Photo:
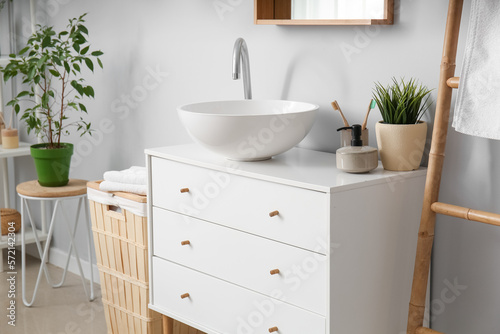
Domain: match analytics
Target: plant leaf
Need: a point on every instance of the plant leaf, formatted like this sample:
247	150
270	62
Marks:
47	41
89	91
31	73
42	60
45	100
77	86
54	73
90	64
23	50
83	29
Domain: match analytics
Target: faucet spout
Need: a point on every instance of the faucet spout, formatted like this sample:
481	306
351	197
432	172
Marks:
240	55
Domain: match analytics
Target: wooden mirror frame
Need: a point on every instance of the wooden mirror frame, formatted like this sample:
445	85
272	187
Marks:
279	12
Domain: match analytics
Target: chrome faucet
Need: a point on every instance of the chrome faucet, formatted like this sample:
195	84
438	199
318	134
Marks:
240	53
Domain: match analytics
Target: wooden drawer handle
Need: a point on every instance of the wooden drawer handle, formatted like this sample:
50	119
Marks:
184	190
275	272
274	213
186	295
185	242
273	329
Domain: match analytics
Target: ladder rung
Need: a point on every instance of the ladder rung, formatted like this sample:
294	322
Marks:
453	82
465	213
423	330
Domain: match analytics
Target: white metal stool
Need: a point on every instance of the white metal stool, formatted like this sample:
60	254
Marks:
74	190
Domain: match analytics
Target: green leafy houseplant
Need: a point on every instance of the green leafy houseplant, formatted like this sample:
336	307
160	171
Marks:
401	136
51	65
402	102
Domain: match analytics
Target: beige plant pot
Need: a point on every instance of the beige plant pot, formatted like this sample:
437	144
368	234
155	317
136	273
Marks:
401	146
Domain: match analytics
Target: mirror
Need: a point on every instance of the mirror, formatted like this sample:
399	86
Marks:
324	12
337	9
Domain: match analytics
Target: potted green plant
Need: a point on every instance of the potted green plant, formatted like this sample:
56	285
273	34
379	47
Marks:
401	135
51	65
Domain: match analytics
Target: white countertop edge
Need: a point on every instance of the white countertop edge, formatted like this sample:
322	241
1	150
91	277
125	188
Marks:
310	186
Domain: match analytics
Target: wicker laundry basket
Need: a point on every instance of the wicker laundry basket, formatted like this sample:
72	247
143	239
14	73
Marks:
120	240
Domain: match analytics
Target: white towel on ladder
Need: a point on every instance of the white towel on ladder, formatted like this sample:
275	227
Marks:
477	111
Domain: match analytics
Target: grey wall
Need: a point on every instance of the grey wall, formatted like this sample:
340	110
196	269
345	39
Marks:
188	46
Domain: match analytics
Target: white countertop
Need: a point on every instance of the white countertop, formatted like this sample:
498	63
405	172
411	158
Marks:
298	167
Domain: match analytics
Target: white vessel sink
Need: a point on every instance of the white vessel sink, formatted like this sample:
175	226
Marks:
248	130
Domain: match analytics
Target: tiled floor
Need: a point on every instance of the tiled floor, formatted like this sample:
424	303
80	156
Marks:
64	310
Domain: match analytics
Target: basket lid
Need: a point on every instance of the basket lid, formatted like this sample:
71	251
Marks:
129	196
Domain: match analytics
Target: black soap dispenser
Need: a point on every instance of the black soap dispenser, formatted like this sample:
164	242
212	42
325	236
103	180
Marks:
356	158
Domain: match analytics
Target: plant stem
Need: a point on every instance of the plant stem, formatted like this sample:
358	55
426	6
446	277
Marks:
63	84
49	116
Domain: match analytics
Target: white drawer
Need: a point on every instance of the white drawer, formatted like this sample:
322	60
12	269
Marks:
242	258
223	307
242	203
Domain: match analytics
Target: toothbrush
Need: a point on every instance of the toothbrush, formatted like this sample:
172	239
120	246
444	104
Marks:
336	106
370	107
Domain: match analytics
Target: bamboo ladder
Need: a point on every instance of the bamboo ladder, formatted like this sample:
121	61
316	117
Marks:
431	206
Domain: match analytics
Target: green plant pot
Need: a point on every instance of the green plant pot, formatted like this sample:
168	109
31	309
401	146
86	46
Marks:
52	165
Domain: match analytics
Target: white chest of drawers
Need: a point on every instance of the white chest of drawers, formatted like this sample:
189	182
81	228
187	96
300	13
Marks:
290	245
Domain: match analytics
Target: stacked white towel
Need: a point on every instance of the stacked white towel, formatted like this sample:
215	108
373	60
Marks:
133	175
132	180
478	102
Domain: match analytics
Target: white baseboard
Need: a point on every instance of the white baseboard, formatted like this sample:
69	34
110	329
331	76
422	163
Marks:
58	258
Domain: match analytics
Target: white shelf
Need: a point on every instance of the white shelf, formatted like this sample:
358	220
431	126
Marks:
29	236
23	150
